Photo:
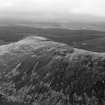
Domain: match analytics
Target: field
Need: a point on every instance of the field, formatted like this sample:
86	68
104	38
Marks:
87	39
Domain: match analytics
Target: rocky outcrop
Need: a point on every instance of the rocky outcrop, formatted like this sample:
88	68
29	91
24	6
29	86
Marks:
37	71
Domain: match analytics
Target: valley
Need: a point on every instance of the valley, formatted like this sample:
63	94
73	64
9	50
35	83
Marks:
91	40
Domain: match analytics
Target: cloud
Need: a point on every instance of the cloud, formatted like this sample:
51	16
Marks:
5	4
93	7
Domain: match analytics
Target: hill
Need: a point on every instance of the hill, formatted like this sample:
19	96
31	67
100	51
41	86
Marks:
38	71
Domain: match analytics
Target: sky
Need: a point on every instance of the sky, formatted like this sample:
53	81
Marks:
87	7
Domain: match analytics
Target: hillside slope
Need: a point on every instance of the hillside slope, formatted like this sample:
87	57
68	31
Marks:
37	71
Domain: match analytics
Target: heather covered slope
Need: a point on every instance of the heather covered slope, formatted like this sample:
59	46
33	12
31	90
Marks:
37	71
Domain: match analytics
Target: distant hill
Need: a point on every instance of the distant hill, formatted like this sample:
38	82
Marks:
38	71
76	38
